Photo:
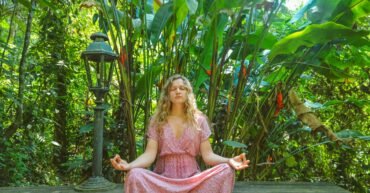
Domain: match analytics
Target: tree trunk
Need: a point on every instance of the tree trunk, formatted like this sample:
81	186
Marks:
55	39
18	122
60	132
11	31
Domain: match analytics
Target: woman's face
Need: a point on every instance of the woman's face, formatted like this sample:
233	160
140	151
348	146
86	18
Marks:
178	92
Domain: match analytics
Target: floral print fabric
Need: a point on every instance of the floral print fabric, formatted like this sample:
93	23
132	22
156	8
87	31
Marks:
176	169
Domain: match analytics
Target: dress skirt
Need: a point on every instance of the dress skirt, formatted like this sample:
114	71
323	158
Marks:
176	169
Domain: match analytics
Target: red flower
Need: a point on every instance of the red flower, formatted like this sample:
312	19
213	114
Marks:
269	159
244	71
123	57
209	72
279	103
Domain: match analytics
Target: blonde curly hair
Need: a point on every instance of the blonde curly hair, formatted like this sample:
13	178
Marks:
164	105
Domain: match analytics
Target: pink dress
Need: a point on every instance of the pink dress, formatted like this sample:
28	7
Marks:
176	169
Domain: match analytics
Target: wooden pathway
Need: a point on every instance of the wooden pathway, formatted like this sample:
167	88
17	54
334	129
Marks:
240	187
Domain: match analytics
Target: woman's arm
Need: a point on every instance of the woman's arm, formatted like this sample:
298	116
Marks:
143	161
148	157
210	158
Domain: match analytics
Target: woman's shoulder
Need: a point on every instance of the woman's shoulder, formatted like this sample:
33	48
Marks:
203	125
200	117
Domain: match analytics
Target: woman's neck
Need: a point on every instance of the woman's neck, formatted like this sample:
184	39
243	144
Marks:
177	110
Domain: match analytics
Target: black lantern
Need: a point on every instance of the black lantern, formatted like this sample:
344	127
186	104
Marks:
99	60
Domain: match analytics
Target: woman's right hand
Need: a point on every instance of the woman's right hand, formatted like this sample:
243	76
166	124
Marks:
119	164
239	162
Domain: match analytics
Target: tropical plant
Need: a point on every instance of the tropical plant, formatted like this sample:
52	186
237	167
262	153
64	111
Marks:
243	58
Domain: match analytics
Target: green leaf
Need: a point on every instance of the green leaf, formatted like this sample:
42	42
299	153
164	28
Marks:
121	17
332	102
25	3
181	10
95	18
86	128
272	145
234	144
164	13
300	13
192	6
207	5
323	10
289	160
268	41
332	58
278	75
305	129
149	20
332	72
202	77
225	4
349	14
349	134
317	34
343	61
213	36
47	4
152	72
346	147
366	138
75	163
359	102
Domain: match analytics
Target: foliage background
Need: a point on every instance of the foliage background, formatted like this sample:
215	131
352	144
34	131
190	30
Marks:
243	58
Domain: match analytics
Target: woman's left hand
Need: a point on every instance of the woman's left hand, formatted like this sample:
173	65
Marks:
239	162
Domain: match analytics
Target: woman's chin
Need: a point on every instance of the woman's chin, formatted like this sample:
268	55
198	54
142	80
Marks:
178	101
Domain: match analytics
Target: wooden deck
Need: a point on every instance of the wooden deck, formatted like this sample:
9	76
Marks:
287	187
240	187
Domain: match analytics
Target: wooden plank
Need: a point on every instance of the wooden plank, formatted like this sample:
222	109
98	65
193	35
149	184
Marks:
240	187
287	187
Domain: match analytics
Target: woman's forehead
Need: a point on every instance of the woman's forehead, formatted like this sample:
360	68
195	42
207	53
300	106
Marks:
178	82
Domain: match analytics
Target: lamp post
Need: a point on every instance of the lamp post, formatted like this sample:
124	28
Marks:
99	60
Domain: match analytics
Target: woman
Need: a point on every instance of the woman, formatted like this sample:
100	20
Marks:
177	133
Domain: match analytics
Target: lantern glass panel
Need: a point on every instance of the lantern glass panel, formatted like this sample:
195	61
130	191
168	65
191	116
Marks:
99	74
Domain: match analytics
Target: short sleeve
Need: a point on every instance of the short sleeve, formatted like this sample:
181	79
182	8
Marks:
205	129
152	132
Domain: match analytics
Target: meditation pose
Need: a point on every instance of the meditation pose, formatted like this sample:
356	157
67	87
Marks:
178	132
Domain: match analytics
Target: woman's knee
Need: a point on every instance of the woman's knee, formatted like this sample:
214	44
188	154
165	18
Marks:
135	174
228	169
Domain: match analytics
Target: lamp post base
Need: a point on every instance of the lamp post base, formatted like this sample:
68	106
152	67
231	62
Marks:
95	184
